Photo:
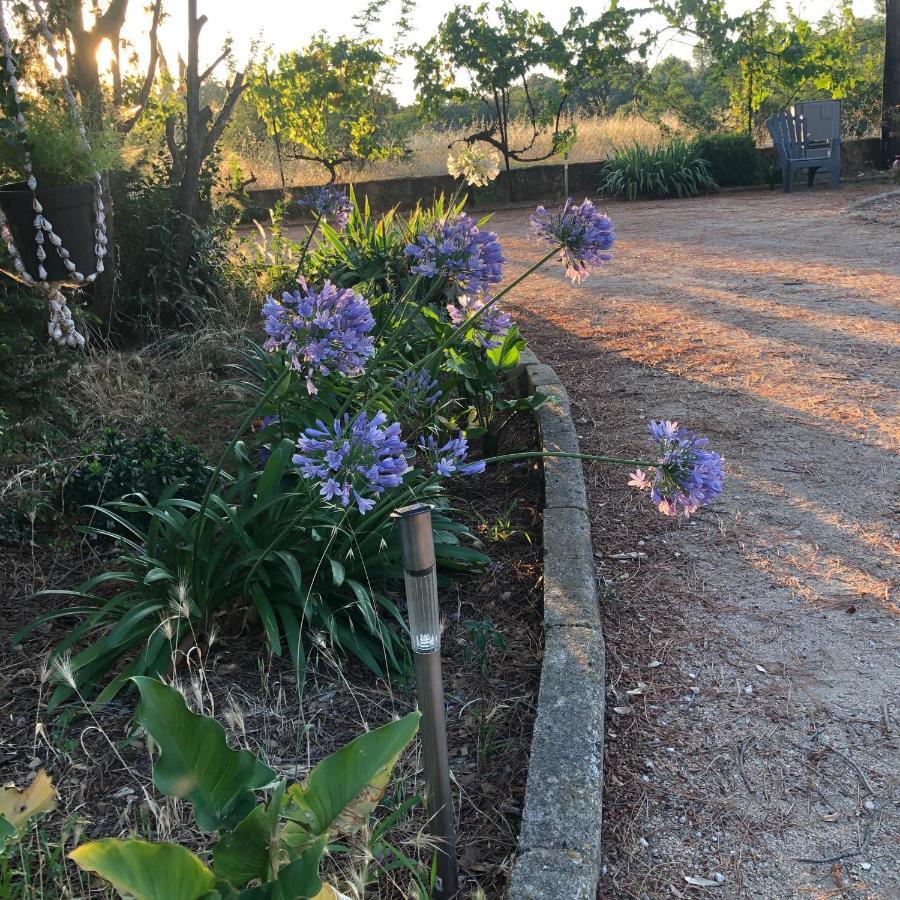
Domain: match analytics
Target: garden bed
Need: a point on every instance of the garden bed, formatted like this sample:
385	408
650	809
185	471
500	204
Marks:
104	776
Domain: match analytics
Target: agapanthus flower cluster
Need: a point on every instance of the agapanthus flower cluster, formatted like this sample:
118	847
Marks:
329	202
265	452
584	233
491	325
321	331
478	165
450	458
353	461
688	475
418	388
457	249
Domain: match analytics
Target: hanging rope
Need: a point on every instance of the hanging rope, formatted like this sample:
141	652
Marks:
61	326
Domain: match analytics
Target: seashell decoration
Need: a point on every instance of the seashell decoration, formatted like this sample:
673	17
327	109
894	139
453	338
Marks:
61	327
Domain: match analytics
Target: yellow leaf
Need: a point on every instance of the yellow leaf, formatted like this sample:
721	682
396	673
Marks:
18	806
356	813
329	893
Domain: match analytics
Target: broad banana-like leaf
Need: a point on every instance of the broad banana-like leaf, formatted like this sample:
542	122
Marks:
298	880
242	855
17	805
195	762
146	871
343	789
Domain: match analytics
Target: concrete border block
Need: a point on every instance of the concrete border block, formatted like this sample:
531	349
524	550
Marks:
548	875
559	844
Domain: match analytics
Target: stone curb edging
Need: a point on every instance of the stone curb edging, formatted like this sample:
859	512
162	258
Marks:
559	843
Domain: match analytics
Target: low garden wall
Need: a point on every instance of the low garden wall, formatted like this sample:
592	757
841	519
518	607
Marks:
559	842
530	184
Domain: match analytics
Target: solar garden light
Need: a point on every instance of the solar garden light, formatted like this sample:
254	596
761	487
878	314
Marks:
417	552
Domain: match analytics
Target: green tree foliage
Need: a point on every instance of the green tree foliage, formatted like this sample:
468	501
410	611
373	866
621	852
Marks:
325	103
488	54
764	64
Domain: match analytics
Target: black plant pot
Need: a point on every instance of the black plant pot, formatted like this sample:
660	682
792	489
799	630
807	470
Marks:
69	209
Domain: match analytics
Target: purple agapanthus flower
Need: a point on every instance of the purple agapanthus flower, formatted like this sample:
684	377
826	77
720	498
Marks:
321	331
418	388
491	325
583	233
450	458
265	452
457	249
688	475
354	461
329	202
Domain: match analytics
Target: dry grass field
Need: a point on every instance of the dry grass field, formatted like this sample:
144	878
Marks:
597	137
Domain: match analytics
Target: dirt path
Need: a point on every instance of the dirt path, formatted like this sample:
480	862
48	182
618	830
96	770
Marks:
758	646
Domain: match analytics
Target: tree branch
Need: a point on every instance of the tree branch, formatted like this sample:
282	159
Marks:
209	69
150	76
218	126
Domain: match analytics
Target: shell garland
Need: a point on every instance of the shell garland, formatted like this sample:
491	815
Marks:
61	326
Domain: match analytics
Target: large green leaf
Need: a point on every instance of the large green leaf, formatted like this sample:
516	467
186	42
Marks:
195	763
344	788
146	871
242	855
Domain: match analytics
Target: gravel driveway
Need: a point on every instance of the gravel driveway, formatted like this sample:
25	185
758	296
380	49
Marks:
753	652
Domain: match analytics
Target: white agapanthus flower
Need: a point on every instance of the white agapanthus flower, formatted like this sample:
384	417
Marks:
479	166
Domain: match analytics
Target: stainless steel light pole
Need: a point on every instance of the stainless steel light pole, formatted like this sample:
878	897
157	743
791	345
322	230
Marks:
417	550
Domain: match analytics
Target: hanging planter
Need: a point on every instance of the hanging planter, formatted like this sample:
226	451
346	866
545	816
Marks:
51	230
70	211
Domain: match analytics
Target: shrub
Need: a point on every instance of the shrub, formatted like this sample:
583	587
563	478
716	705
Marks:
145	465
732	158
671	169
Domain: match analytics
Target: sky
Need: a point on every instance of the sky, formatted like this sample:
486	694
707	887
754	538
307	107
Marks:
288	24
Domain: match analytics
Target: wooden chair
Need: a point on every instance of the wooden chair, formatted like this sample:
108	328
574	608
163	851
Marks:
795	151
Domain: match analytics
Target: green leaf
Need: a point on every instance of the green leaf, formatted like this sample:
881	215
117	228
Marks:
344	788
300	877
195	762
146	871
7	833
242	855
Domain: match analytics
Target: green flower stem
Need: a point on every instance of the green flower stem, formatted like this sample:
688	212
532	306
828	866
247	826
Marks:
585	457
305	250
472	320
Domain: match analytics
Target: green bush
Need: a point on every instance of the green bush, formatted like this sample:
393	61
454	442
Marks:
145	465
673	169
732	158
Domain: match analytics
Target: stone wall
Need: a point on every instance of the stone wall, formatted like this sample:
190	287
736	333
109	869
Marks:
529	185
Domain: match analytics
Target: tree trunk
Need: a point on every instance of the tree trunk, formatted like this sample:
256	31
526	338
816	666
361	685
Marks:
201	134
107	26
188	194
890	97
